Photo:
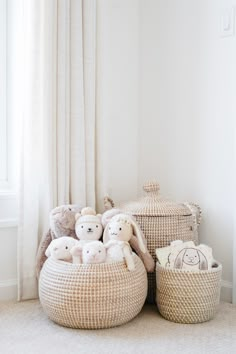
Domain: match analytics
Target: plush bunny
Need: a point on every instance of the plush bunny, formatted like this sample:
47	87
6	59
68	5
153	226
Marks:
185	255
191	259
88	225
116	237
134	241
60	248
62	223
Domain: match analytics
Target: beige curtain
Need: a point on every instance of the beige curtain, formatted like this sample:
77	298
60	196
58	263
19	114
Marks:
57	155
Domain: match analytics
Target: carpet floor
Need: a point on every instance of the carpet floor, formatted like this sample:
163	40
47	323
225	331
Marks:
25	329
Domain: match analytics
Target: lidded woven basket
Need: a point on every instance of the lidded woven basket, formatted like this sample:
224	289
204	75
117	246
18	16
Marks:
163	221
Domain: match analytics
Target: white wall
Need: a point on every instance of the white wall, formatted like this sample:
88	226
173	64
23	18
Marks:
188	111
117	98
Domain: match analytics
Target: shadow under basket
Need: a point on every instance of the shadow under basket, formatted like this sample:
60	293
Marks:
188	297
92	296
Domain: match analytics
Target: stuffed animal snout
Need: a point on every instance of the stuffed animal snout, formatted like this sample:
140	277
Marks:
94	252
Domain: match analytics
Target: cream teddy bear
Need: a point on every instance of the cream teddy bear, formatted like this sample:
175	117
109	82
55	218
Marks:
88	226
116	237
60	248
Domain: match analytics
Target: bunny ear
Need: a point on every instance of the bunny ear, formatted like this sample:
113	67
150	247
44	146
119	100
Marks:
178	264
139	234
107	215
48	251
106	234
203	261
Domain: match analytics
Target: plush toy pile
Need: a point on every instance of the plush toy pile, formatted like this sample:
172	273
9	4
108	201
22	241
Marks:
80	235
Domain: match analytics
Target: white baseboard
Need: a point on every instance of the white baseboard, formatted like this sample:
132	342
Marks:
226	291
7	223
8	290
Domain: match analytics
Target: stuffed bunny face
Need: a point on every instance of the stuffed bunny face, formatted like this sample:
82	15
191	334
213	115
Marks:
94	252
122	227
191	256
120	231
60	248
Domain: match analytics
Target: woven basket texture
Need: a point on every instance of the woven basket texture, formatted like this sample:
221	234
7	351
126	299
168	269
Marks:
163	221
188	297
92	296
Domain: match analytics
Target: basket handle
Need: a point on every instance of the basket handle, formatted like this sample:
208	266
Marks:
108	203
196	212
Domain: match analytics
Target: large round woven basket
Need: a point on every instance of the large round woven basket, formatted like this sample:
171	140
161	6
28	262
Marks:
92	296
188	297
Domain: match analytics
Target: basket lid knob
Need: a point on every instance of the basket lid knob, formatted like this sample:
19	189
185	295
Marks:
151	186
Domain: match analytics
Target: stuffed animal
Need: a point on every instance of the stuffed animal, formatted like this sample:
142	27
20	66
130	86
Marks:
185	255
134	241
89	253
62	223
88	225
119	232
60	248
94	252
191	259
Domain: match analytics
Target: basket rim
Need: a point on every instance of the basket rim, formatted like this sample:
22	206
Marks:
216	269
95	266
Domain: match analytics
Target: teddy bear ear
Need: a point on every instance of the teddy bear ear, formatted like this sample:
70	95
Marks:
77	215
106	237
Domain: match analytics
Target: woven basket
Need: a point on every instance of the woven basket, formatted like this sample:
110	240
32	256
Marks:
92	296
188	297
163	221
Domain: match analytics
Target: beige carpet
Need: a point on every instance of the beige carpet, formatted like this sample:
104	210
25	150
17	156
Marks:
25	329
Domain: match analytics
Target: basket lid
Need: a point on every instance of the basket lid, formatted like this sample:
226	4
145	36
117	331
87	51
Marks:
153	204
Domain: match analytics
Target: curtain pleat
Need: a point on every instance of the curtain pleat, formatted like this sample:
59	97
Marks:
58	126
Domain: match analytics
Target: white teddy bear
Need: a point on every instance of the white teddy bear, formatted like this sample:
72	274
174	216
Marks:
88	225
60	248
116	237
89	252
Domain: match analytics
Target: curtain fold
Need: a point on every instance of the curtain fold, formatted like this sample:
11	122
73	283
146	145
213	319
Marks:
57	154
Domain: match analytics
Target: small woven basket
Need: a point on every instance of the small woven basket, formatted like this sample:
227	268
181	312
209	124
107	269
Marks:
188	297
92	296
